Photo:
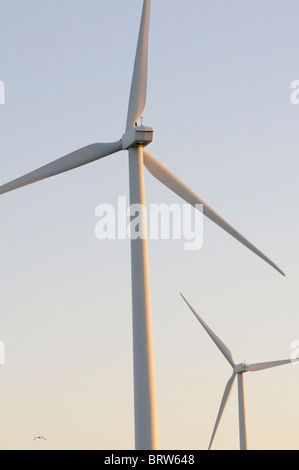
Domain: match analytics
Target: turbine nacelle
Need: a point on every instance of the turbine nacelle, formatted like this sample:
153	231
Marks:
240	368
140	136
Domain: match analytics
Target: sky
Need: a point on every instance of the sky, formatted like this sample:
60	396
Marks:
219	91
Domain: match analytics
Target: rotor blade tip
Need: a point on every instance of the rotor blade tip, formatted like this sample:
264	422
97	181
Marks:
281	272
184	298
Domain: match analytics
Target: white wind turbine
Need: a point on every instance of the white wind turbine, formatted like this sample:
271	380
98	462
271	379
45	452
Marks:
134	140
238	370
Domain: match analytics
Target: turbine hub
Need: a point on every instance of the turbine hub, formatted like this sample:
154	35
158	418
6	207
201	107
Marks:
139	136
239	368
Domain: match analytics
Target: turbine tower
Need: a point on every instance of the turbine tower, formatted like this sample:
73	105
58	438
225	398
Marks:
134	140
238	371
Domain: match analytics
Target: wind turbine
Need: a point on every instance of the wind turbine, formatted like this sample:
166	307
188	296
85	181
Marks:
135	139
238	370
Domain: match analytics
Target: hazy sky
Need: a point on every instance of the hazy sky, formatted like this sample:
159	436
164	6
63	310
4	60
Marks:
219	100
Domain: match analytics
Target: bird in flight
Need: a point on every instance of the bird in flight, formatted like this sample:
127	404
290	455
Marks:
39	437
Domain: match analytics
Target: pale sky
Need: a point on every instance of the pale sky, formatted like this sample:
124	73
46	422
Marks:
219	101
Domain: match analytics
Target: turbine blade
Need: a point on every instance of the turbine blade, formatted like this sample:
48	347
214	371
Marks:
268	365
170	180
225	351
68	162
139	81
224	401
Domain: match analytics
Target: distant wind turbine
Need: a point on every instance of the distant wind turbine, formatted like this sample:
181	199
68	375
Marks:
135	139
238	370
